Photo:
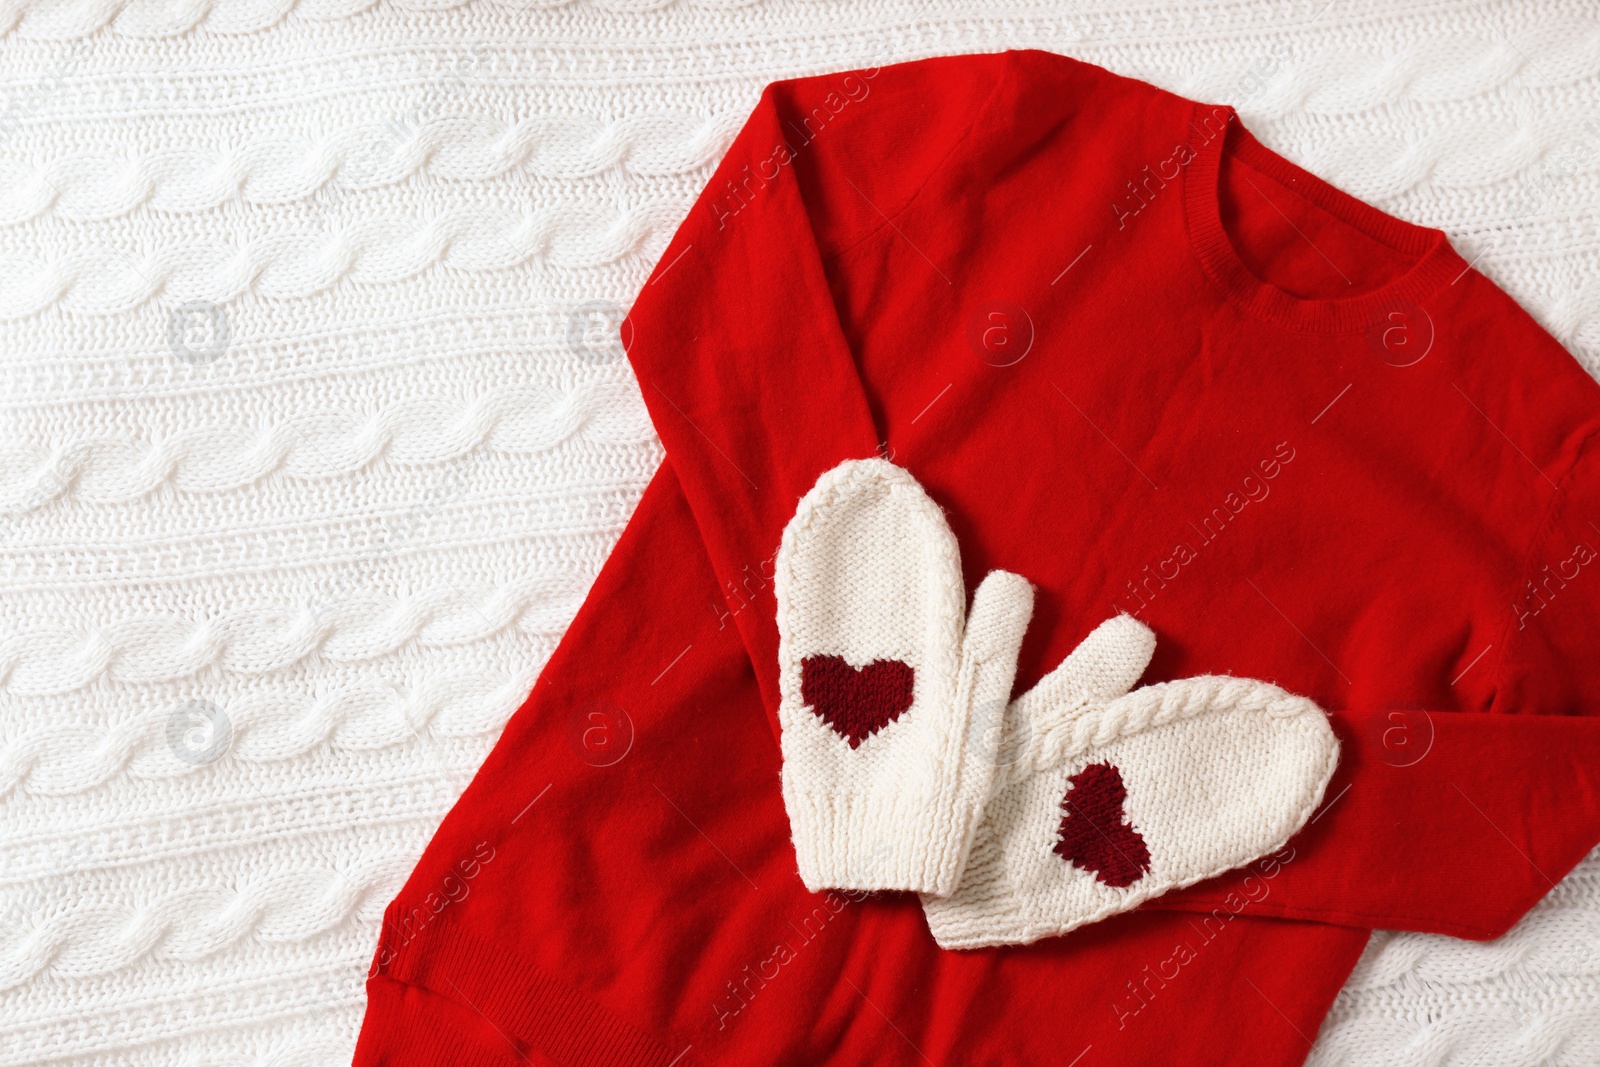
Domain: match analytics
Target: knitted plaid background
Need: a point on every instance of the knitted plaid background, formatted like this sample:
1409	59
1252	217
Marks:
316	430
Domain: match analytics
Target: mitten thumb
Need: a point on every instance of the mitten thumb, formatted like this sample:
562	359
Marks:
1001	609
999	617
1103	667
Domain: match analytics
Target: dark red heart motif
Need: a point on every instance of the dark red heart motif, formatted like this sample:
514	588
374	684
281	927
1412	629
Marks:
856	701
1094	836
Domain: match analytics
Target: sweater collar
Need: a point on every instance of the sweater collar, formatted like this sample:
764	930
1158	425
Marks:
1434	262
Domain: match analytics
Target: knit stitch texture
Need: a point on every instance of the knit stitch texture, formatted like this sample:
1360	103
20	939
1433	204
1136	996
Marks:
1095	834
1105	800
346	502
888	690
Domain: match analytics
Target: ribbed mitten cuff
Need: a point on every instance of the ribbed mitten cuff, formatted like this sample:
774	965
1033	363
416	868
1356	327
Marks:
908	842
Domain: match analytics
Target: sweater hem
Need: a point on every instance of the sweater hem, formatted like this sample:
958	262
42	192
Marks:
528	1008
397	1033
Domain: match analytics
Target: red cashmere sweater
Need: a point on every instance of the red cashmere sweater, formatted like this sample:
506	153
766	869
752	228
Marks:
1150	366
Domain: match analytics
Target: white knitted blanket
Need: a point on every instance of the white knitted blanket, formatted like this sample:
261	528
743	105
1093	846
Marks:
316	431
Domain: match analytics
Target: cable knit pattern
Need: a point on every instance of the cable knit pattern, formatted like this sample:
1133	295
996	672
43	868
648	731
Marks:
1113	797
108	470
458	147
1072	732
1525	1000
404	232
268	726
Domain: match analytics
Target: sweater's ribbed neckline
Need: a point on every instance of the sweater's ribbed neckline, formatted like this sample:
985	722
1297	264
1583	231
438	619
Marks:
1435	264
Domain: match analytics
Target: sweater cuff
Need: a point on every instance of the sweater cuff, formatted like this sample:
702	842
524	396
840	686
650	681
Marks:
406	1026
874	842
449	997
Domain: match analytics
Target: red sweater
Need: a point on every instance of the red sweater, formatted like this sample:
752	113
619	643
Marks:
1152	367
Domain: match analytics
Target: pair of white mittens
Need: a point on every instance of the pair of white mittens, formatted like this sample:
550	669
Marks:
904	767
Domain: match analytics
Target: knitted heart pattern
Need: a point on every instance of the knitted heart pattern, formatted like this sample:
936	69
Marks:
1110	800
856	702
1094	836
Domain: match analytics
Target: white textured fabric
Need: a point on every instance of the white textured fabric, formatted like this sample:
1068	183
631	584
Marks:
872	614
1216	771
357	531
1524	1000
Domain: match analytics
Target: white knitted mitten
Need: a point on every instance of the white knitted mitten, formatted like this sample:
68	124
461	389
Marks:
892	702
1104	800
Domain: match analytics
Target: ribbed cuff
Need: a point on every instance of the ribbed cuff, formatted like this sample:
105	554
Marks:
873	842
980	924
410	1027
537	1018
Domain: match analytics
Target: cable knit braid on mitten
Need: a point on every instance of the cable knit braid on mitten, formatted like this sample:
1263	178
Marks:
1107	798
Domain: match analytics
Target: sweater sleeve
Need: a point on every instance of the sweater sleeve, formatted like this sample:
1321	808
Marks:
735	338
1457	822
